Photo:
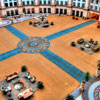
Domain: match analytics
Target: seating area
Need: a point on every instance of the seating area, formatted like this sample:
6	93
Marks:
41	24
25	94
89	46
20	86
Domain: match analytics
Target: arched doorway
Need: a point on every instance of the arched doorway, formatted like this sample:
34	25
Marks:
44	10
81	15
12	13
77	13
28	10
16	12
61	11
73	12
57	11
32	10
40	10
8	13
65	11
49	10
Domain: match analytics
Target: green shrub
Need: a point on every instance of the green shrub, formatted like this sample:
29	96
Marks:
87	76
40	85
69	97
91	41
51	23
30	23
10	99
24	68
96	43
73	44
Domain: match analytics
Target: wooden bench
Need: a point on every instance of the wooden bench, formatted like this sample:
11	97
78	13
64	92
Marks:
25	94
11	76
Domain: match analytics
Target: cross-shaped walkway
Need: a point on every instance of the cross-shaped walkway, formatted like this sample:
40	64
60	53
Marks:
60	62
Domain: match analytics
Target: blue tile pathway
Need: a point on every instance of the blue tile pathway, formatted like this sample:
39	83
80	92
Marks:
16	32
66	31
9	54
64	65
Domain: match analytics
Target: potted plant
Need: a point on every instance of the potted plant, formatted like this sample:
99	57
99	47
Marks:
51	23
24	68
87	76
40	85
69	97
73	44
30	23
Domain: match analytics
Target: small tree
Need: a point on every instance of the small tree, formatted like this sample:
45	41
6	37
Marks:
30	23
24	68
10	99
98	65
91	41
40	85
96	43
73	44
69	97
87	76
42	18
98	61
52	23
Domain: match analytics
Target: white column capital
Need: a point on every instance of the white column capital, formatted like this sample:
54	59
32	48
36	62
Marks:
87	4
19	2
70	3
36	2
2	4
53	2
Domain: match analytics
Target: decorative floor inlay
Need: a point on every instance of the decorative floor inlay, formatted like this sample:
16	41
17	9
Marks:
33	44
96	93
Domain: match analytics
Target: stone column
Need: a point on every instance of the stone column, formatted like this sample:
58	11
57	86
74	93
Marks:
82	86
69	9
53	7
87	3
36	4
20	9
86	9
2	4
19	3
97	73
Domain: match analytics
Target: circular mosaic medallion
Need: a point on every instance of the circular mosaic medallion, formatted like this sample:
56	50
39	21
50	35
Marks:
87	45
33	44
18	86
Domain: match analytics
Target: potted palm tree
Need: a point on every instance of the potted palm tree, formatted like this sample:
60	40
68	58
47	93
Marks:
10	99
42	18
87	76
69	97
30	23
24	68
40	85
73	44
